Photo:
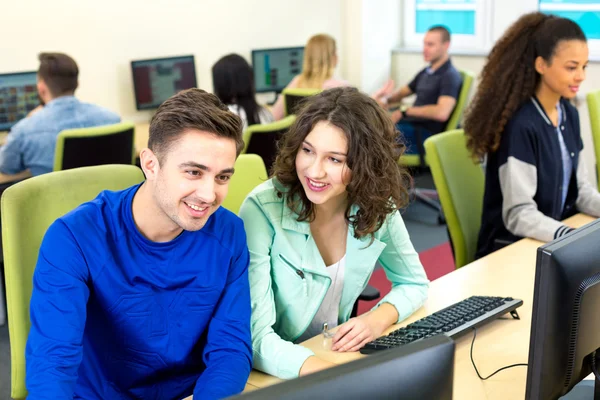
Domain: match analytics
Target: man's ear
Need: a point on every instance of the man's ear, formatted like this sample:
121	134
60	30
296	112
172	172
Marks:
149	163
43	90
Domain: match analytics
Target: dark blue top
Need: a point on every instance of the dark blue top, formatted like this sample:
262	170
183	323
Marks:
117	316
429	86
530	138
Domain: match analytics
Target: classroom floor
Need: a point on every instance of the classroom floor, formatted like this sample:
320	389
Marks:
421	223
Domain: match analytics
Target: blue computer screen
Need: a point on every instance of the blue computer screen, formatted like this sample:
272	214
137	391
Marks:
275	68
18	96
585	12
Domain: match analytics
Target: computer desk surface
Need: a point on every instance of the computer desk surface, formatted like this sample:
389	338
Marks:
509	272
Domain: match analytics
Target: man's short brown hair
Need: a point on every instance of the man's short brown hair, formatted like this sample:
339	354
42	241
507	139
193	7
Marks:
192	109
443	31
59	72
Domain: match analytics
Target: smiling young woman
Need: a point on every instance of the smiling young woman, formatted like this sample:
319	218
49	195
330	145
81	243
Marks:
318	227
522	123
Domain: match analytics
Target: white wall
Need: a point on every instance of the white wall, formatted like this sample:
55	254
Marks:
103	37
371	29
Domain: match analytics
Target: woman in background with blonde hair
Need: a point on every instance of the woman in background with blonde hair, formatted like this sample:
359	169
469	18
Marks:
320	61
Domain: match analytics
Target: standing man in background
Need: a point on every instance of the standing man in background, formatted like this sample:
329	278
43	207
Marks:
30	145
437	88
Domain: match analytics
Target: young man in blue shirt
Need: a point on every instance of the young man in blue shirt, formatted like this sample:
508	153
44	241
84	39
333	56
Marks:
144	293
437	88
31	142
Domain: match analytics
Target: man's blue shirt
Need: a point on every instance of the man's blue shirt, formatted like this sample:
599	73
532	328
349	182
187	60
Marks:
117	316
31	142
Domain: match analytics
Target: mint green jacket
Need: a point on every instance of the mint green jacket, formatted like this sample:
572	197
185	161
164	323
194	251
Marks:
288	279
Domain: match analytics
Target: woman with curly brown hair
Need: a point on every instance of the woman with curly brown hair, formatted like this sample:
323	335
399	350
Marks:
522	124
318	227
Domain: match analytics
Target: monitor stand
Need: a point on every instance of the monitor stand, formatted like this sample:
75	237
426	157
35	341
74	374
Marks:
588	389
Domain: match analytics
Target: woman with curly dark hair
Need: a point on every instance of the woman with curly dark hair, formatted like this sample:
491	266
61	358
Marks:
523	126
317	229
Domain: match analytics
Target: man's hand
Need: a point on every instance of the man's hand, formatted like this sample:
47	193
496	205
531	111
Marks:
381	95
38	108
396	116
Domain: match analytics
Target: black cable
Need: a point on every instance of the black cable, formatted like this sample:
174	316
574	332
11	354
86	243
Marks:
494	373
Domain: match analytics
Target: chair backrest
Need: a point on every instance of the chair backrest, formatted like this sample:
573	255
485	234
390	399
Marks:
460	186
593	102
107	144
461	101
294	97
250	172
28	208
262	139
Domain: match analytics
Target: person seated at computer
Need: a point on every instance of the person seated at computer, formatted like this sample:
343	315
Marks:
318	68
436	87
143	293
523	127
31	142
233	83
316	230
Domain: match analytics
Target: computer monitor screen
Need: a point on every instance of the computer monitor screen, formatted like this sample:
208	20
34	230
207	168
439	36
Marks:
156	80
274	69
18	96
420	370
565	324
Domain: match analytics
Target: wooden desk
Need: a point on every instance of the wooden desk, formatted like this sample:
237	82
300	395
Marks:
507	272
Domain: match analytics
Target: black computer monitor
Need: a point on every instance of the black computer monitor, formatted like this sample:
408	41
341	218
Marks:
18	96
274	69
156	80
420	370
565	324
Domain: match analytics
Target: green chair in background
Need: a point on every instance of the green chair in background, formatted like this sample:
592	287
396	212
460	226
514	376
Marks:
28	208
250	172
421	161
262	139
460	185
593	101
293	98
84	147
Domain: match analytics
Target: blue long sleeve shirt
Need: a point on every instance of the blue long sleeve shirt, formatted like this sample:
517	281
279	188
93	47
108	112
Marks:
117	316
32	141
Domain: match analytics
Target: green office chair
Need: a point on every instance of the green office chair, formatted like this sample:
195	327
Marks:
262	139
460	185
593	101
250	172
293	98
28	208
84	147
420	161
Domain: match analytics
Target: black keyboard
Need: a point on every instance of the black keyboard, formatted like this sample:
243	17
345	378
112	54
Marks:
452	321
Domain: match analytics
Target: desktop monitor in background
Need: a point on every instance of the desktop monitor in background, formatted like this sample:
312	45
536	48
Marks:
420	370
18	96
156	80
274	69
565	324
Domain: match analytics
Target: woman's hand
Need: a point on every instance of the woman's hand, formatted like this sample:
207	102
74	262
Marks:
354	334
